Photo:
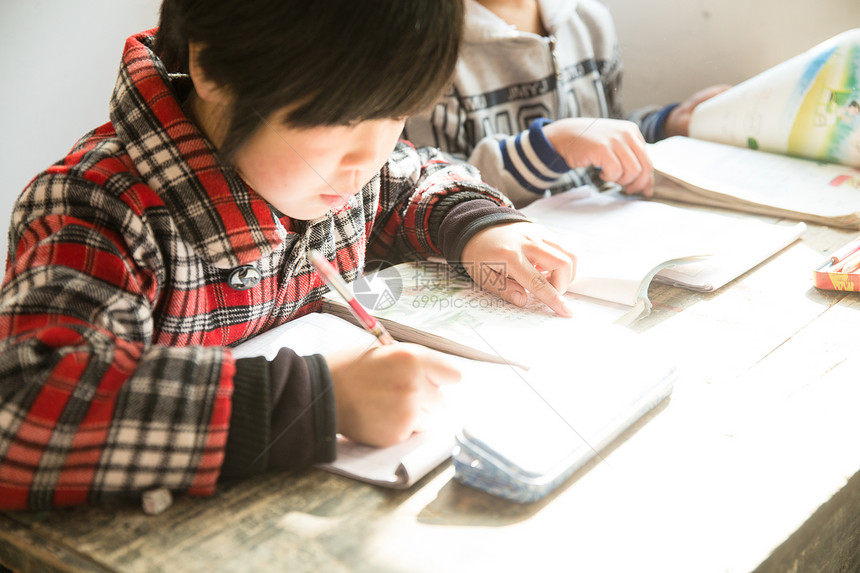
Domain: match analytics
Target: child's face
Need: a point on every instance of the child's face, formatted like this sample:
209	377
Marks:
306	172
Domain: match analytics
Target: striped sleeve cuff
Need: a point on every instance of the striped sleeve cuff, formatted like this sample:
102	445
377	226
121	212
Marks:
653	124
531	159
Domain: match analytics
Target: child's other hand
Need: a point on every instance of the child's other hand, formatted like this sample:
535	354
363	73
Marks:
385	393
678	121
616	146
512	258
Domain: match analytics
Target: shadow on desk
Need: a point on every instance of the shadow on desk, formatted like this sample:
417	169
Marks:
457	504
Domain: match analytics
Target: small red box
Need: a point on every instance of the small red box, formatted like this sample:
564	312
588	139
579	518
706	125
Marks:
829	276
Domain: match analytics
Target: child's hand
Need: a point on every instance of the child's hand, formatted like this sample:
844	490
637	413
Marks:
678	121
510	259
385	393
616	146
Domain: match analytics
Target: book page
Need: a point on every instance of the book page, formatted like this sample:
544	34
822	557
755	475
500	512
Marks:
787	183
808	106
562	411
439	306
747	243
620	242
401	465
614	234
398	466
310	334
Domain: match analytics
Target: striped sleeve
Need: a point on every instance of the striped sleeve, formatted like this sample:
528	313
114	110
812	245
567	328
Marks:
652	121
531	159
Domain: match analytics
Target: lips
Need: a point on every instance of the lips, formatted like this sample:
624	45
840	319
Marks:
334	201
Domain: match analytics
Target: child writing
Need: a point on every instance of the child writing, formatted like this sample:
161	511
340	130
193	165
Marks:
525	63
242	135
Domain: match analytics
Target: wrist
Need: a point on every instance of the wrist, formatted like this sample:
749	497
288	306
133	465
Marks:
668	124
532	159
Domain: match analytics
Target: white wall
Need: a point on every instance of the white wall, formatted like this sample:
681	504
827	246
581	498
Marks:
58	65
672	48
58	61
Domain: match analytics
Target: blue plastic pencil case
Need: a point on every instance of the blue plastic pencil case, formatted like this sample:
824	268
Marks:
531	437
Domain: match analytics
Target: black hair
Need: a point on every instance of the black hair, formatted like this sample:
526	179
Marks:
333	62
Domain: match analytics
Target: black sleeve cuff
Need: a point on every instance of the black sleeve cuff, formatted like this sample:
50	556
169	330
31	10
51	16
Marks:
463	221
325	414
303	421
248	436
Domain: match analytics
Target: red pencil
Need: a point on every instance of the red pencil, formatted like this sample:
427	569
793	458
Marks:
847	263
337	284
842	253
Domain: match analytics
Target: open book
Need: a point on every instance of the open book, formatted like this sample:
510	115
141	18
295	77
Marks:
398	466
621	244
579	391
785	142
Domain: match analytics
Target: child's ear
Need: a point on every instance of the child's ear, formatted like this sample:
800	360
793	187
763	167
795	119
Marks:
207	89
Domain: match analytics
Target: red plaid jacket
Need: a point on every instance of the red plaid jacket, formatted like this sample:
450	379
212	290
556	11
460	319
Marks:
116	312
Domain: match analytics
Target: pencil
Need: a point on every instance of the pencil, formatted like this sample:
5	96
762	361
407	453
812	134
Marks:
337	284
842	253
847	264
850	264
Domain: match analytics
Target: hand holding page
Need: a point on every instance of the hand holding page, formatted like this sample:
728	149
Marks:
808	106
747	145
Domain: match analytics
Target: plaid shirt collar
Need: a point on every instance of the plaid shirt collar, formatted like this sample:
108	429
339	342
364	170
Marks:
224	220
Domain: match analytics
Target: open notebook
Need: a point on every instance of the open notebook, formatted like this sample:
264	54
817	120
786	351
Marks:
623	242
621	245
580	392
719	175
398	466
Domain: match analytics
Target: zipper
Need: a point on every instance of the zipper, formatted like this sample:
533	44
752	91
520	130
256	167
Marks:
556	70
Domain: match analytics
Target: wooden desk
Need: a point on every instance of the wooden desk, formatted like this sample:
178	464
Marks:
751	466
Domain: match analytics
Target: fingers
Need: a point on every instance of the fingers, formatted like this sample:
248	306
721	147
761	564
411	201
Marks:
706	94
383	393
624	160
513	259
558	265
543	269
505	288
643	181
414	366
542	289
425	401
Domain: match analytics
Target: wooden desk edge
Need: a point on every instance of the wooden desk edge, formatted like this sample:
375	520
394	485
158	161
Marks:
828	541
50	557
